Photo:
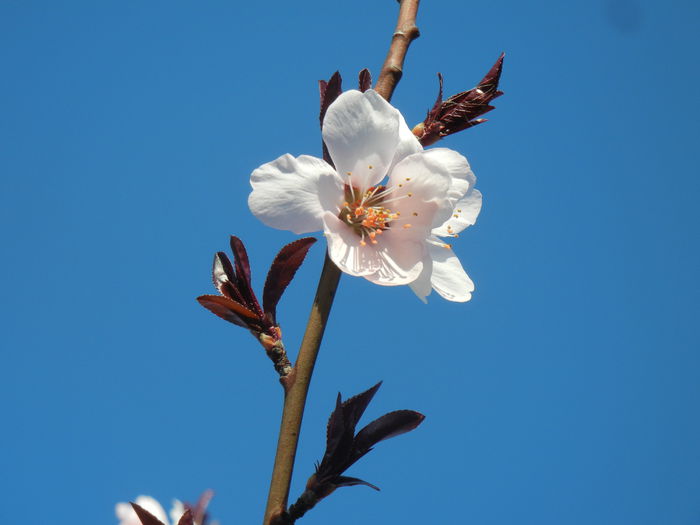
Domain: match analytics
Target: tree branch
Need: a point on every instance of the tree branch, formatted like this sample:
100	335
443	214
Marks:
296	385
406	32
296	389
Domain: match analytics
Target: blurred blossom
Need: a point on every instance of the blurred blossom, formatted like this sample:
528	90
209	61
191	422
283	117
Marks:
127	515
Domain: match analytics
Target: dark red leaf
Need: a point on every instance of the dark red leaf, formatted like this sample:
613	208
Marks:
340	433
146	517
365	80
339	438
229	310
354	407
186	518
199	511
435	112
460	111
329	91
225	278
489	84
281	273
240	260
389	425
346	481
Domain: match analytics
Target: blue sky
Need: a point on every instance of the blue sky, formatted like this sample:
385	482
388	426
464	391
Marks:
565	392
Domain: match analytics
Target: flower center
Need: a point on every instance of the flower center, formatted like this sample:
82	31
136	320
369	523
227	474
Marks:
365	213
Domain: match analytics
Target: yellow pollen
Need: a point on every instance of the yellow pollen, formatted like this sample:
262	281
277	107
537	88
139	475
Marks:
410	194
363	243
348	173
408	178
459	211
456	216
359	211
400	185
346	204
370	167
406	226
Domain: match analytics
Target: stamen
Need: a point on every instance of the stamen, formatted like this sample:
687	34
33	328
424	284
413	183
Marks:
366	212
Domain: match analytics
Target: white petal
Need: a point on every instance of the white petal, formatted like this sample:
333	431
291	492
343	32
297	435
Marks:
408	143
417	181
177	510
293	193
361	133
465	213
463	178
345	250
449	278
126	515
401	260
421	286
396	259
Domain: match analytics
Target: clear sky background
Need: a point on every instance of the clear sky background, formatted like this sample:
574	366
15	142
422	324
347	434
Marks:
566	392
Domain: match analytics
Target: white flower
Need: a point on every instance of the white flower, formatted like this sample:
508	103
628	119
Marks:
387	232
127	516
